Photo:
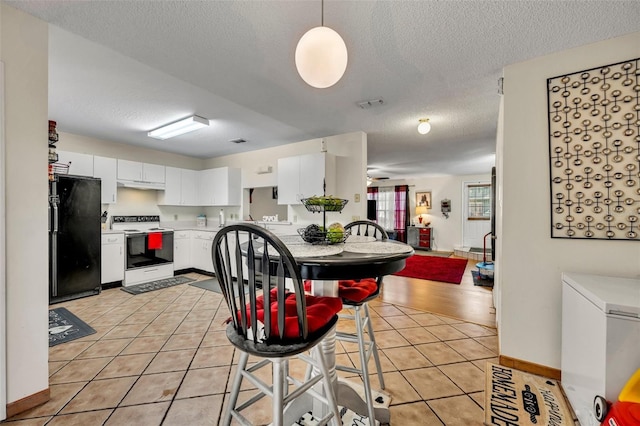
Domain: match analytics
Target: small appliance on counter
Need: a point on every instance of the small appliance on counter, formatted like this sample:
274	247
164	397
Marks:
201	221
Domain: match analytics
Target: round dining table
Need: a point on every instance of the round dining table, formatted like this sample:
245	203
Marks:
358	257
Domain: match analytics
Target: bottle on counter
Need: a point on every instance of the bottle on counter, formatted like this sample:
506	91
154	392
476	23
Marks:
222	221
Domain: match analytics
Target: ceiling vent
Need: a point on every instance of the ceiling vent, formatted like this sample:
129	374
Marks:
370	103
240	140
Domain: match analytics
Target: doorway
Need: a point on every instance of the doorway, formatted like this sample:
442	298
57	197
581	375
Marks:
263	201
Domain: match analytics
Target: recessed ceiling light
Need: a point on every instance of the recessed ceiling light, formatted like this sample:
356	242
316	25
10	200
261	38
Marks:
179	127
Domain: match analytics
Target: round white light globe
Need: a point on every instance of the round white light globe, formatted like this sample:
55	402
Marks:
321	57
424	128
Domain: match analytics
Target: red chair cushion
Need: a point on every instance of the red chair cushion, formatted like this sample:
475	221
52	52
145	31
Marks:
352	290
320	310
357	291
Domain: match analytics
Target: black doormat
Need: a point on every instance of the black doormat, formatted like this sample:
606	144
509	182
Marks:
156	285
213	285
64	327
484	282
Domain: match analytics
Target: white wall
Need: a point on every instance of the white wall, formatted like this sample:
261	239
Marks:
531	262
87	145
447	233
24	51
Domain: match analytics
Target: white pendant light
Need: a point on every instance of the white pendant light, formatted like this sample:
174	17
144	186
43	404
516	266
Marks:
321	56
424	127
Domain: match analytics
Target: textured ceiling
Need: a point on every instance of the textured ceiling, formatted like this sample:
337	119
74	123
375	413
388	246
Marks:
121	68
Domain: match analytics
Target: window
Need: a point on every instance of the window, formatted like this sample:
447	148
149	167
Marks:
479	202
386	207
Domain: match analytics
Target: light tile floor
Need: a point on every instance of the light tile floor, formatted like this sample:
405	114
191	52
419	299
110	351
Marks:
162	358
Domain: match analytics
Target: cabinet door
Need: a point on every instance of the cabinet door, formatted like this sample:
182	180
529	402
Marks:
182	250
79	164
112	258
312	173
189	187
106	170
201	243
207	191
129	170
153	173
227	190
289	180
172	187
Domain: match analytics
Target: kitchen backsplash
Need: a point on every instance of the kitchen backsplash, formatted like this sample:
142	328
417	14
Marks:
144	202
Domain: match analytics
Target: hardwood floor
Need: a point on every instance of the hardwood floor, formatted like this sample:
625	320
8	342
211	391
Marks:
464	301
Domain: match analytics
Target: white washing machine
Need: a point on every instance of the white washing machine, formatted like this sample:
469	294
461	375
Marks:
600	339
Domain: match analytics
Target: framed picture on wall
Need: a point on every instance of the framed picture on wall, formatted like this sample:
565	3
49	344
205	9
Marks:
423	199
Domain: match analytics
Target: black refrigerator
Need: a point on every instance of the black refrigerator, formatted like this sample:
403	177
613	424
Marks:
74	237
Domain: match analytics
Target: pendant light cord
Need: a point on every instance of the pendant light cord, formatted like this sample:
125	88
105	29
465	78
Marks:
322	13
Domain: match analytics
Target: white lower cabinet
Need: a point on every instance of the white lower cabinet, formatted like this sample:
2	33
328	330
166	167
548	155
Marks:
181	250
112	268
201	243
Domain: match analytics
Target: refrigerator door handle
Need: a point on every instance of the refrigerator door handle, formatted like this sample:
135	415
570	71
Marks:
54	264
55	217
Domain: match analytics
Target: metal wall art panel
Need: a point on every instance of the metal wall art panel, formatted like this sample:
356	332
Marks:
594	153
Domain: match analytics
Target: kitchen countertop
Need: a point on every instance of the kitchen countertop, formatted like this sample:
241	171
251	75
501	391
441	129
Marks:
112	231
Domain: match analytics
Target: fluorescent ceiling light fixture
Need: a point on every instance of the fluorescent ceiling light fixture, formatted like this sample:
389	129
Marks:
177	128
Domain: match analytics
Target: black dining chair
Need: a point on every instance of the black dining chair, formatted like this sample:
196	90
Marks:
355	294
274	322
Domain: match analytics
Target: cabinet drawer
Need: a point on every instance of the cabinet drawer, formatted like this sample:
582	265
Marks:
181	235
200	235
425	232
112	239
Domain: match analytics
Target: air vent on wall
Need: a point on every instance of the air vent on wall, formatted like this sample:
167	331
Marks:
240	140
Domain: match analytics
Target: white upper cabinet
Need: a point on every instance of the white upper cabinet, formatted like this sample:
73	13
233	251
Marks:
105	169
220	187
136	171
153	173
304	176
189	187
79	164
180	187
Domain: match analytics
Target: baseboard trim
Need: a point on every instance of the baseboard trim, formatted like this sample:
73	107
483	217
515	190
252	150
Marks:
530	367
28	402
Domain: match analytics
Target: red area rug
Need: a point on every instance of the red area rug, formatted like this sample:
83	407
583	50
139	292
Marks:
444	269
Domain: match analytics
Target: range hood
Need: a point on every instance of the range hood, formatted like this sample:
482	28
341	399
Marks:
140	184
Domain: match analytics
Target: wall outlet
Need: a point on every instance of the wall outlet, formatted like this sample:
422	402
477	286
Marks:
357	198
355	217
295	218
175	217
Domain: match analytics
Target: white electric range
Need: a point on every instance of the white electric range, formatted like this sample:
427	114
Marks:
148	248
